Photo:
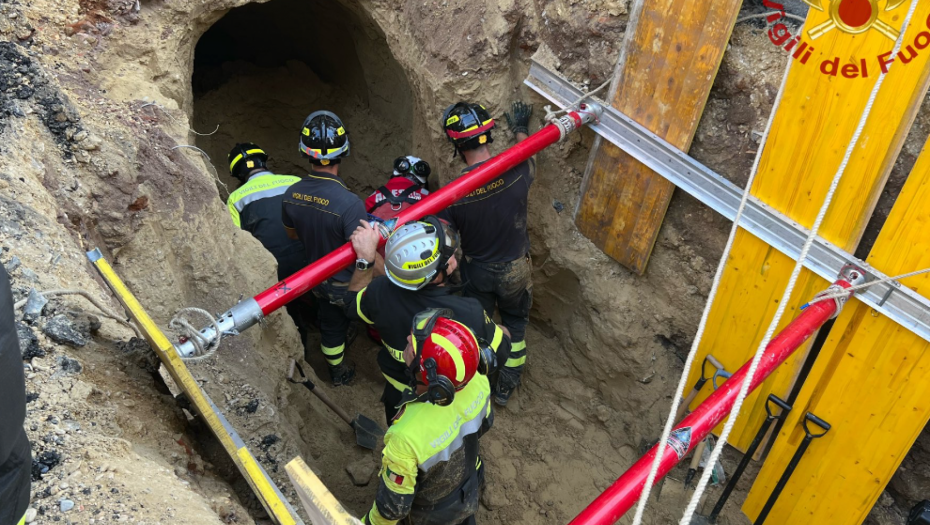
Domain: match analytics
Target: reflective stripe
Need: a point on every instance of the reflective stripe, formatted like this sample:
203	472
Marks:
396	384
234	213
517	346
517	355
22	520
334	355
239	157
514	362
471	426
453	352
358	306
498	337
398	355
261	187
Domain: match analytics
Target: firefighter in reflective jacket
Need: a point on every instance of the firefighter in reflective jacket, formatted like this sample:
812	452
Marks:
420	259
430	469
256	208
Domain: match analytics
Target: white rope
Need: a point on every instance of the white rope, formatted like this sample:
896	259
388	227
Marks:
550	114
782	305
858	287
679	392
203	348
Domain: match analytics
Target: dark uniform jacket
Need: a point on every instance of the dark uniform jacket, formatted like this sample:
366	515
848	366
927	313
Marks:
391	309
256	208
492	219
324	213
15	451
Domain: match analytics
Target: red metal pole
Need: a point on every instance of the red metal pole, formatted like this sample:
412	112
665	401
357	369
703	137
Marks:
311	276
624	493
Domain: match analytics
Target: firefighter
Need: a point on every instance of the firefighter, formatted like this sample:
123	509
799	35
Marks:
420	257
406	187
430	469
256	208
15	450
492	221
322	212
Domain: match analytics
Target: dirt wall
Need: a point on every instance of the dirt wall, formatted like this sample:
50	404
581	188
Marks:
90	160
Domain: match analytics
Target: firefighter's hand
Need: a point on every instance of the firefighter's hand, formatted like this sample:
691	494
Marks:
519	121
365	241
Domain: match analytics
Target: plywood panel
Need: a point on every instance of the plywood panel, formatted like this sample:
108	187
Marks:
814	124
871	382
668	68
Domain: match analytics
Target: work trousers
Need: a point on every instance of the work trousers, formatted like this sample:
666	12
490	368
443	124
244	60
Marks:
458	508
507	286
333	321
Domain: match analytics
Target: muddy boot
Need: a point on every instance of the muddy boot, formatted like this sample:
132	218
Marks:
342	374
507	382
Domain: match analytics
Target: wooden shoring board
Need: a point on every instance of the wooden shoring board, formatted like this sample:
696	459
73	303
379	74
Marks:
322	507
262	486
871	382
666	71
814	124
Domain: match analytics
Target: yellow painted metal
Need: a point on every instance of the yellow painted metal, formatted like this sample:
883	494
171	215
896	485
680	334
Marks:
322	507
871	382
814	124
274	503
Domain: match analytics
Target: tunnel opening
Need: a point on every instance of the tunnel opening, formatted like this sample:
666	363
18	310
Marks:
262	68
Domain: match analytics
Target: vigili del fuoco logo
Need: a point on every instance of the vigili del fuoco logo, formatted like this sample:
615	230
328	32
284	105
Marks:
852	17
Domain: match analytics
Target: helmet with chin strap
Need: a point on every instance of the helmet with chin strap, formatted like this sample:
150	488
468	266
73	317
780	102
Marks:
447	356
419	250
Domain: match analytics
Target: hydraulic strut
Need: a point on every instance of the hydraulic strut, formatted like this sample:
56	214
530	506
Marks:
251	311
624	493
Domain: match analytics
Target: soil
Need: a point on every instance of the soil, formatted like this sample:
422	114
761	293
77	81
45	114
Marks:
99	100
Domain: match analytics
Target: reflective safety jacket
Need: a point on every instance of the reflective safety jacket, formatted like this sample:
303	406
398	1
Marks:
430	452
390	309
256	208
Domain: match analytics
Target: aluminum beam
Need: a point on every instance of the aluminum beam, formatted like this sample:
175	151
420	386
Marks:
897	302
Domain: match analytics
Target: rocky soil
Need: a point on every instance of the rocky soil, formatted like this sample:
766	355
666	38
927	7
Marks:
98	99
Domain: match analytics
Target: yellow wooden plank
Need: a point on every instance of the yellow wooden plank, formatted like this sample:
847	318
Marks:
320	504
814	124
257	478
670	64
871	382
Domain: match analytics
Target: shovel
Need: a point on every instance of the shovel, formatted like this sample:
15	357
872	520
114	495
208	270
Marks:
367	432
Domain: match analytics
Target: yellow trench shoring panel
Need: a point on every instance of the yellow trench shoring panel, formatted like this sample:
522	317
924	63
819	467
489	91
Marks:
871	382
322	507
670	63
269	495
812	129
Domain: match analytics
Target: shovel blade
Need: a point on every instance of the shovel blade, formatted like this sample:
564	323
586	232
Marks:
367	432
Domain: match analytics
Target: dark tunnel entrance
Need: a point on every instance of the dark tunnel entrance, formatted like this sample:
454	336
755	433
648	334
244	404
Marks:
262	68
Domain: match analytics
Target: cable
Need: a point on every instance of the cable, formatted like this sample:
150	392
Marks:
569	107
679	392
103	310
782	305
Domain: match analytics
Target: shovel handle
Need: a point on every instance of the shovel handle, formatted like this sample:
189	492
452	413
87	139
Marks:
713	360
325	399
817	421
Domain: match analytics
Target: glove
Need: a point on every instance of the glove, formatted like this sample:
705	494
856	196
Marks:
520	121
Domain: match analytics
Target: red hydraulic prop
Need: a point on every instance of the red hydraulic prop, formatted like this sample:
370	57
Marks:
251	311
624	493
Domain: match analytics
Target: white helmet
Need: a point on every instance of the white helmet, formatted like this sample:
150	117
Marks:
418	250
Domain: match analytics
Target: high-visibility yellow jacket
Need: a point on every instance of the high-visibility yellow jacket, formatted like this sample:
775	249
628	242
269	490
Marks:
430	452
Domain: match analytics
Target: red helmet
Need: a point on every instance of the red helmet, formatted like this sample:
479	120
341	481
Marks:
447	355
